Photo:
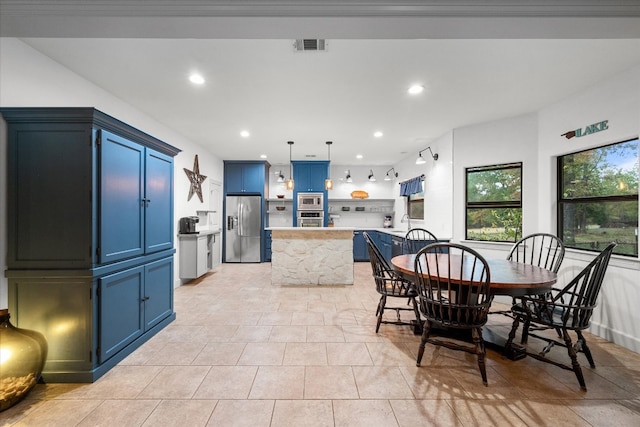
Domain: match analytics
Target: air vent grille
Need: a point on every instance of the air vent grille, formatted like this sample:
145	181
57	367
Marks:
310	44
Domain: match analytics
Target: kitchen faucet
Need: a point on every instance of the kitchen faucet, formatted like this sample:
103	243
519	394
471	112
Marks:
408	221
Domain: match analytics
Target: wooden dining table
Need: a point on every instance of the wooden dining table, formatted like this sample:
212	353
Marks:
507	278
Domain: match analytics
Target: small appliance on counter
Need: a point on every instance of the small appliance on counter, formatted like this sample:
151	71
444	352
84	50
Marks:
388	222
187	225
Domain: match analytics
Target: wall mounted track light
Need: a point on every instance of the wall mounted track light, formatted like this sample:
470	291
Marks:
420	160
387	177
348	177
371	177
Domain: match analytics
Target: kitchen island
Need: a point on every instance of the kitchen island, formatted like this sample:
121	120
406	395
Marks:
311	255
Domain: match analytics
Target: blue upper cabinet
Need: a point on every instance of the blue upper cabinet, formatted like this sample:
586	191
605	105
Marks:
84	189
245	177
310	175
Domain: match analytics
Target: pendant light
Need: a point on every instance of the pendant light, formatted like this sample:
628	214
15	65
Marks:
328	184
289	184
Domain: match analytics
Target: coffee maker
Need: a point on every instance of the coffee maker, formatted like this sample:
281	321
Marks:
187	224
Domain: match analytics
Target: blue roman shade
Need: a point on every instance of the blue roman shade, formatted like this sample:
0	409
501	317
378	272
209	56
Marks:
411	186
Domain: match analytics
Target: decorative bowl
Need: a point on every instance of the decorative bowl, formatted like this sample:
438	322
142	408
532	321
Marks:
280	196
281	208
359	194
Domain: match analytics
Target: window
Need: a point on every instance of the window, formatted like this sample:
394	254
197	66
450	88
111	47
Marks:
415	203
494	203
598	198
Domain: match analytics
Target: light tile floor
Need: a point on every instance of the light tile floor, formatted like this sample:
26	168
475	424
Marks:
244	352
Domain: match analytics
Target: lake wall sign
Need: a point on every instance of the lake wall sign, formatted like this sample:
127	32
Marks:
587	130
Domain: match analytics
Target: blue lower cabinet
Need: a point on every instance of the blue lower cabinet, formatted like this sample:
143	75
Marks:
385	245
360	250
267	246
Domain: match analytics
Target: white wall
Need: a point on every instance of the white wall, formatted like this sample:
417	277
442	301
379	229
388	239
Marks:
30	79
535	139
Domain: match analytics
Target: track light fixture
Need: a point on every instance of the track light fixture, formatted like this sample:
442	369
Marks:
371	177
328	184
420	160
388	177
348	177
289	184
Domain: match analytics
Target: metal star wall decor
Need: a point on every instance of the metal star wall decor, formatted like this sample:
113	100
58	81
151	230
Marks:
195	179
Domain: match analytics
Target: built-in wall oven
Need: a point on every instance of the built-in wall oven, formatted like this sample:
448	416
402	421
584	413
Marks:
310	210
310	218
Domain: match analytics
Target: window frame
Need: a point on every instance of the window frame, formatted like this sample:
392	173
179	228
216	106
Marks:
417	200
562	202
511	204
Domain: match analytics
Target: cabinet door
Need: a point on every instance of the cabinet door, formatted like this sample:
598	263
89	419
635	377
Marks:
49	183
233	178
318	173
360	250
158	291
121	310
158	201
244	178
121	198
202	260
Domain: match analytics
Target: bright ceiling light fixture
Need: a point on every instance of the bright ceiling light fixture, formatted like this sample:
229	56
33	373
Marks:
358	156
196	79
416	89
245	134
378	134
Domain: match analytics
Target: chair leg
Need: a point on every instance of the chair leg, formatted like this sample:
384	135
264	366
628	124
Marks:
574	359
417	329
582	343
380	311
476	333
426	331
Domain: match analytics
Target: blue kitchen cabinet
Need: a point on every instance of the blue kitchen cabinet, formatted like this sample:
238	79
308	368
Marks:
133	217
245	177
360	248
385	245
267	245
90	200
310	175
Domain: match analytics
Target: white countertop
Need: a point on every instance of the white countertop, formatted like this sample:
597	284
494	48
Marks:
311	228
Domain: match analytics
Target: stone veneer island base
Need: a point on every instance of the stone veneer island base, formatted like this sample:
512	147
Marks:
311	256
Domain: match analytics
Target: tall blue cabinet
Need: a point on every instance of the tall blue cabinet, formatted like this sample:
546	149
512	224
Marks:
309	177
90	236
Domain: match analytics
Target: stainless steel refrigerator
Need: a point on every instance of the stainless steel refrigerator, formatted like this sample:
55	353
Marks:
243	228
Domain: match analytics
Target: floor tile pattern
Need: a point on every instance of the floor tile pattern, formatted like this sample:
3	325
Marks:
246	352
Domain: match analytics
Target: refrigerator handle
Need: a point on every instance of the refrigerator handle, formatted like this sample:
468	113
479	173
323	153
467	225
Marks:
241	219
229	222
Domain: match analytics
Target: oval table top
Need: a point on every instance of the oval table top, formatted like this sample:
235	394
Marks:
507	277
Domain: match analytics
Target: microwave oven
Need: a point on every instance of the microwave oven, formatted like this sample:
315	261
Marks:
310	201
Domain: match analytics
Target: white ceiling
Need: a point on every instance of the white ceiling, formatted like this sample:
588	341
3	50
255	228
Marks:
259	83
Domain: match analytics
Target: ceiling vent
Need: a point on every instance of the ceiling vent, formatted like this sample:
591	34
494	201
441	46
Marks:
310	44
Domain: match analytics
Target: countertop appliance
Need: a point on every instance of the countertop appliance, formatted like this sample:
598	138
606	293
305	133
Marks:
388	222
311	201
243	229
187	225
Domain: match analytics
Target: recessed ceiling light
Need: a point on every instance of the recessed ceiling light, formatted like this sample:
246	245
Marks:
378	134
196	79
416	89
358	156
263	156
245	134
